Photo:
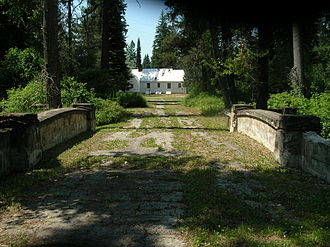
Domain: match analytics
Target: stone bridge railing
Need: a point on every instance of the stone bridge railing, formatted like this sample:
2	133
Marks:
293	139
24	138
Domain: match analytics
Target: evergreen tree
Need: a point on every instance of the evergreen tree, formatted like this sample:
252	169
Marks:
166	44
138	55
88	38
131	55
113	57
146	62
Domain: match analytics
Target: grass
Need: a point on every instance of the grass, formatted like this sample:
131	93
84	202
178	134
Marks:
209	105
149	142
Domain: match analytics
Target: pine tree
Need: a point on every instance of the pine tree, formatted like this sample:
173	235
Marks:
113	57
131	55
146	62
165	51
138	55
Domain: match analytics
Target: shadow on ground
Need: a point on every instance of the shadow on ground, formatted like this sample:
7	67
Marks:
110	205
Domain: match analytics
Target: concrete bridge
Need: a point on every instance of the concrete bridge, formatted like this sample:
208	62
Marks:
142	182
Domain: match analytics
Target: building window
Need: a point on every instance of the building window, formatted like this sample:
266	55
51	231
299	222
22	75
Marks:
158	85
179	85
168	85
148	85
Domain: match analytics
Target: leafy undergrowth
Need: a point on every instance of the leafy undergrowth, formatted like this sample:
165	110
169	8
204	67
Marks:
318	105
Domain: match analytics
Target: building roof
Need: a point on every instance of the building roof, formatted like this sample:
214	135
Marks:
159	75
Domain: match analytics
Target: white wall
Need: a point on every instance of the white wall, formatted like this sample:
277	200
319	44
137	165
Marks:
162	87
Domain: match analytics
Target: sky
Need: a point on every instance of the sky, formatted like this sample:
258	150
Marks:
142	18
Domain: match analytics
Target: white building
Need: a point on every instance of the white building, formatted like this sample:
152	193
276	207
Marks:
157	81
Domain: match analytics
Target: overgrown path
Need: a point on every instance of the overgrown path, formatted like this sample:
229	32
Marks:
166	177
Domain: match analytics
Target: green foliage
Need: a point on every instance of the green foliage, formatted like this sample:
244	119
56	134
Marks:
319	72
194	65
131	55
75	92
166	44
207	104
19	67
146	62
138	54
24	99
108	111
98	79
240	65
318	105
131	100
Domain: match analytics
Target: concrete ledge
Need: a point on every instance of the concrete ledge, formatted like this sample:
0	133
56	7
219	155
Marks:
283	121
292	138
54	114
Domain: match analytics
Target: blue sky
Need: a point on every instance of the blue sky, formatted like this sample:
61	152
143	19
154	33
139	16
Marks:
142	21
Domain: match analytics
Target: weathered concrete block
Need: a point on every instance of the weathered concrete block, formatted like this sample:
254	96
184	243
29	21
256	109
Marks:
91	118
316	155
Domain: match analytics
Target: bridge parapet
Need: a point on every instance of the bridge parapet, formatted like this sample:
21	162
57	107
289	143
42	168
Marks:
293	139
24	138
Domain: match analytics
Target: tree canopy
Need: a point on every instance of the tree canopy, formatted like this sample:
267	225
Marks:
242	52
83	36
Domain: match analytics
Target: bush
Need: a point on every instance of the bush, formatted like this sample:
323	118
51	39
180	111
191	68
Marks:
318	105
75	92
207	104
287	99
25	99
33	96
108	111
128	100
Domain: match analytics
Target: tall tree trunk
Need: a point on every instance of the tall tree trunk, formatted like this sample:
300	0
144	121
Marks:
222	82
227	36
265	44
70	35
105	49
297	70
50	31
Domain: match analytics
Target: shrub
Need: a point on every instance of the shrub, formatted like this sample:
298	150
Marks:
108	111
318	105
207	104
75	92
25	99
131	100
287	99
